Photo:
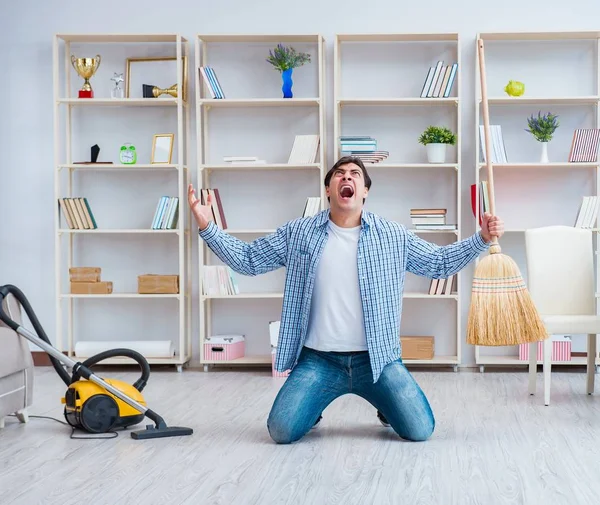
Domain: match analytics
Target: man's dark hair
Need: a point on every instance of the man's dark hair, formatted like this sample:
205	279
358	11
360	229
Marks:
344	161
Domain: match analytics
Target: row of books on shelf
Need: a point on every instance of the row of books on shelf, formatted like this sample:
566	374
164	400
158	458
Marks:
78	213
442	286
304	152
430	219
584	145
363	147
209	77
439	81
588	212
219	280
166	214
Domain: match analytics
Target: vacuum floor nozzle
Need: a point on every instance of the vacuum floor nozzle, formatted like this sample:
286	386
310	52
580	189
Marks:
152	431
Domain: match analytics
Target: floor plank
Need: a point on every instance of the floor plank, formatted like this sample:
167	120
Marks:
493	444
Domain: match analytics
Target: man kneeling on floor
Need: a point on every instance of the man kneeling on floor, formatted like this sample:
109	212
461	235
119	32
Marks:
342	302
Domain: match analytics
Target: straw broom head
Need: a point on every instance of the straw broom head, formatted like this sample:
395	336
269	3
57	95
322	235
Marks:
502	311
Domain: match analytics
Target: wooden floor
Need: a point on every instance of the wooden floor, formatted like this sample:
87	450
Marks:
493	444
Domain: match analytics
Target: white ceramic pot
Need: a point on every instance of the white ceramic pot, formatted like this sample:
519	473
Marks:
436	153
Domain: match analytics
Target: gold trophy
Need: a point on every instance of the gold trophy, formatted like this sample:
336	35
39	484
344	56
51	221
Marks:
151	91
86	67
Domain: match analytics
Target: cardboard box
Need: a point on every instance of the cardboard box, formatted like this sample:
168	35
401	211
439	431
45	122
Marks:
84	274
91	288
417	347
158	284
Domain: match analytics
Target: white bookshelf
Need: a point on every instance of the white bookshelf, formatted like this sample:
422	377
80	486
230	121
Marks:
560	71
378	79
254	120
123	198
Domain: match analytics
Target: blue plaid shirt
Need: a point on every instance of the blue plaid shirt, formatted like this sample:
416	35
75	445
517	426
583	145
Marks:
386	251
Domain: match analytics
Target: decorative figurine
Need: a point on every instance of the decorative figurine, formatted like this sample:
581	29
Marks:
117	91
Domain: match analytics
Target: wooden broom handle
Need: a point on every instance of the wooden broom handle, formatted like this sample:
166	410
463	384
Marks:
486	128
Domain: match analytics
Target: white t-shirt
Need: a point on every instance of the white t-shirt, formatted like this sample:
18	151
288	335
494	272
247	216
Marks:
336	314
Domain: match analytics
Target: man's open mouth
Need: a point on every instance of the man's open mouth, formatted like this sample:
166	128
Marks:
346	191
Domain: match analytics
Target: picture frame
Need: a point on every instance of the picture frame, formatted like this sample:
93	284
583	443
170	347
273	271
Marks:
159	71
162	148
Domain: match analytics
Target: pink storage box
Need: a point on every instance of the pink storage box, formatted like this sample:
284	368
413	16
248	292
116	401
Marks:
561	350
275	372
224	347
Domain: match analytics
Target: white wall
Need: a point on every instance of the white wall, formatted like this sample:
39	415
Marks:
26	124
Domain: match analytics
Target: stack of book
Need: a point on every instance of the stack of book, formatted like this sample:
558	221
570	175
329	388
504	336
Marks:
243	160
311	207
166	214
584	146
304	151
484	199
219	280
439	80
78	213
588	212
216	206
363	147
212	83
441	286
430	219
497	141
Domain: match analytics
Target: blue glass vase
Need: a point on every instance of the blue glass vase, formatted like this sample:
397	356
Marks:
286	76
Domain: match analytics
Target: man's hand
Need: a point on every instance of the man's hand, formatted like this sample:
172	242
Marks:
202	213
491	226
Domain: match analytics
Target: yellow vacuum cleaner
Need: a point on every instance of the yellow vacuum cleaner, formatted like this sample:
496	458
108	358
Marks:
95	405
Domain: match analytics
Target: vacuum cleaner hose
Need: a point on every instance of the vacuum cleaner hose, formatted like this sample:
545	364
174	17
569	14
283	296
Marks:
7	289
140	384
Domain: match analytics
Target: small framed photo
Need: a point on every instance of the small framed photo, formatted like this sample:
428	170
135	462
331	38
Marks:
162	148
146	76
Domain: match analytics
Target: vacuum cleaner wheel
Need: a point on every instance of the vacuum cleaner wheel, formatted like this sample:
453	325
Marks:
99	414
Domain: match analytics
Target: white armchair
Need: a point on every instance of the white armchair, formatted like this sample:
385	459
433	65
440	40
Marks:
560	275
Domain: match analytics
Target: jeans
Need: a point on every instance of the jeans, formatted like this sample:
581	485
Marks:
321	377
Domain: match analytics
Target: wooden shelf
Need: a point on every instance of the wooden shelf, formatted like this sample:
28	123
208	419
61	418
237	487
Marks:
397	101
425	166
117	230
249	38
122	295
427	296
120	168
249	231
175	360
437	360
260	166
71	180
121	102
397	37
120	38
514	360
243	296
555	164
259	102
532	100
455	232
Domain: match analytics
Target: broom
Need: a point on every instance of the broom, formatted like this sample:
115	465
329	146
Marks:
502	311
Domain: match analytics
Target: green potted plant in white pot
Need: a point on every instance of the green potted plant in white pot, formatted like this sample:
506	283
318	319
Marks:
436	140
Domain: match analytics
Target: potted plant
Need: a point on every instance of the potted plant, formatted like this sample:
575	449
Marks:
436	139
286	59
543	128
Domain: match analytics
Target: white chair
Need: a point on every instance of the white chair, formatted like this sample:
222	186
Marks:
560	275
